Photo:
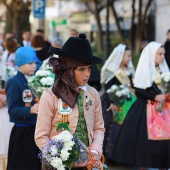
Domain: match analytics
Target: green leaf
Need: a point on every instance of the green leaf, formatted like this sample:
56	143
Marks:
74	154
61	125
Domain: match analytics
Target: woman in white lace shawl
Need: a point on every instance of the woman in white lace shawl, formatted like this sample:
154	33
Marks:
118	61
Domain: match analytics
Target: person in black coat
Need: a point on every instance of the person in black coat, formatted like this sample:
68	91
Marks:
40	32
133	146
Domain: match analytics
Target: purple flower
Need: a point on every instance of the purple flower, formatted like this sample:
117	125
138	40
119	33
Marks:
59	144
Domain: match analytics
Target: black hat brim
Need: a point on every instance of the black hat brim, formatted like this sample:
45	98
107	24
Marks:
58	51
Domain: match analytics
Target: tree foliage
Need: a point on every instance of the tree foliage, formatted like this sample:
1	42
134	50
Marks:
139	12
17	16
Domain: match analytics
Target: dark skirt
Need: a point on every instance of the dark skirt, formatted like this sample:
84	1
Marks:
111	129
133	146
23	152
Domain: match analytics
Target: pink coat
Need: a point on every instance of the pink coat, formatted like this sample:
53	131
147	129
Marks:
48	117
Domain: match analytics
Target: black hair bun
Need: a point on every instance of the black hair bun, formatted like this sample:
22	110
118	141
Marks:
82	36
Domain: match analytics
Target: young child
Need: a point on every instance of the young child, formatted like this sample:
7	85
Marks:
72	70
22	153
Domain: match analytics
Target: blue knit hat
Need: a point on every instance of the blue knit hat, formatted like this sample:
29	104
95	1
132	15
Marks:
25	55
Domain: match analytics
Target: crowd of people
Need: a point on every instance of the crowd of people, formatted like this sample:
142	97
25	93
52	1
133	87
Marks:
119	132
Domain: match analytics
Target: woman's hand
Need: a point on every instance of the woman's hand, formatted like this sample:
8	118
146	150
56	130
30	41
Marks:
167	97
95	160
160	98
114	108
3	101
34	108
81	165
9	64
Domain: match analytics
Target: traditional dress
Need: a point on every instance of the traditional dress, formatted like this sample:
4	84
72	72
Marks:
112	74
133	146
84	113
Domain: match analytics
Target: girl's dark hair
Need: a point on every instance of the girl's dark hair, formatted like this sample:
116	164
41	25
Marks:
11	44
127	48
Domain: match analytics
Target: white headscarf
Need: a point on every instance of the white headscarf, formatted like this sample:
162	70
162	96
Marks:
112	64
145	71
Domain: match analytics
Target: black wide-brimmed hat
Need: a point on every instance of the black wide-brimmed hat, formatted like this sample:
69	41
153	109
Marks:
77	48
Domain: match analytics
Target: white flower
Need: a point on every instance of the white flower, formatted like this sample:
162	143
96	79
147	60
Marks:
87	100
42	73
31	79
54	150
127	91
66	136
113	88
69	145
10	71
157	78
167	78
118	93
109	91
62	167
13	73
64	154
122	86
56	162
49	81
124	92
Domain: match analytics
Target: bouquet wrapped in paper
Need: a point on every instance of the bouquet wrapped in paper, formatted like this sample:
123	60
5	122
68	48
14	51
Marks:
63	151
40	81
118	94
123	99
165	88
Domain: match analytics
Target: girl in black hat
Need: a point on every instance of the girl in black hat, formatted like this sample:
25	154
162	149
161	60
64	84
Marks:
82	101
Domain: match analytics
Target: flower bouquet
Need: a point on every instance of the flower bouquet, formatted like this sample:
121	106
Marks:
10	72
6	72
165	88
118	94
40	82
63	151
123	99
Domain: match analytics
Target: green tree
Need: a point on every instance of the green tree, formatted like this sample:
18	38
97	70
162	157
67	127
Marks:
115	15
95	7
17	16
